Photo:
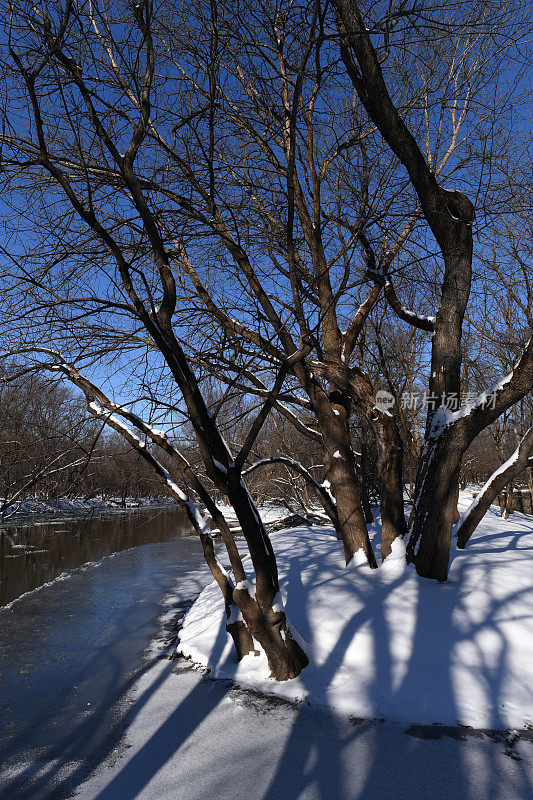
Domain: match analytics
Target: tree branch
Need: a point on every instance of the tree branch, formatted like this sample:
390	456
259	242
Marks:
517	463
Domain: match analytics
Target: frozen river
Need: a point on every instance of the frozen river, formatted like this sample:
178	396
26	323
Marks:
70	650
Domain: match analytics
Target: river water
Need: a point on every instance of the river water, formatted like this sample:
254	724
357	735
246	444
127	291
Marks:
71	649
31	555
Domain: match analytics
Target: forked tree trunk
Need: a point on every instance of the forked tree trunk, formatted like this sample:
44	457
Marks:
263	613
449	216
435	498
235	625
256	616
352	385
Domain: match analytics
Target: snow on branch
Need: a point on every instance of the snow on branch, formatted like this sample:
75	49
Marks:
101	407
327	498
491	403
416	320
113	415
517	463
355	327
199	523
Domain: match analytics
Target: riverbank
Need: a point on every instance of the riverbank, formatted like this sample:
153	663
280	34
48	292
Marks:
71	654
394	643
387	643
34	555
227	730
32	511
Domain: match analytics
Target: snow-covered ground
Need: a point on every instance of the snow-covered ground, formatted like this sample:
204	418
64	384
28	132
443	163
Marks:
386	643
192	738
389	652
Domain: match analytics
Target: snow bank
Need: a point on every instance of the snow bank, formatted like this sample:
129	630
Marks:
36	507
269	513
386	643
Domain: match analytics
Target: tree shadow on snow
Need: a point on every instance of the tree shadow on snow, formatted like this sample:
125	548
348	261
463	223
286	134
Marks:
63	759
375	759
319	754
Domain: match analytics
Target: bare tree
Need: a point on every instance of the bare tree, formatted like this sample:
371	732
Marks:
74	135
295	212
205	174
449	216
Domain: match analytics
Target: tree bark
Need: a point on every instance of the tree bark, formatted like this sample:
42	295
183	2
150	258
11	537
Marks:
509	501
344	486
435	506
235	625
267	625
341	475
357	387
363	494
457	515
390	463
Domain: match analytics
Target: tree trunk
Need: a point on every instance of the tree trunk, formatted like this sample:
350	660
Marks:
344	486
435	506
449	216
340	469
509	501
363	485
457	515
235	626
493	487
390	461
363	494
263	613
343	480
351	384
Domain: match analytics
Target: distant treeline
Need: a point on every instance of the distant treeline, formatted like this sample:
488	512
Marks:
50	448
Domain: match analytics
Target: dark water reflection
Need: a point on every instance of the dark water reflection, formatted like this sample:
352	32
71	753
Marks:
32	555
